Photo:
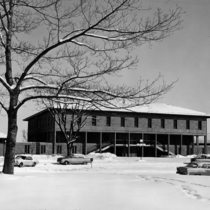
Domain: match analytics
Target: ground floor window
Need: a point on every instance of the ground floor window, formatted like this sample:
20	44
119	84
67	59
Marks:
74	149
43	149
59	149
27	149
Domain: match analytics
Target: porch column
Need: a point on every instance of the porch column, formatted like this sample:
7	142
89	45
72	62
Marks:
129	144
180	149
205	144
85	144
54	141
168	145
115	143
193	148
100	143
197	144
155	145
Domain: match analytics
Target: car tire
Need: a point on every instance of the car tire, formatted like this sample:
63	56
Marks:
34	164
66	163
21	165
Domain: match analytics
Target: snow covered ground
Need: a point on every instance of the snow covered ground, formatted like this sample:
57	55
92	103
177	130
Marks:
111	183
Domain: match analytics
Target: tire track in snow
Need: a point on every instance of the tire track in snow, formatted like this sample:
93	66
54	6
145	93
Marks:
182	185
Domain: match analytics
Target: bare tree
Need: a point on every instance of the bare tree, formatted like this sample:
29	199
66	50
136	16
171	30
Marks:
70	117
54	44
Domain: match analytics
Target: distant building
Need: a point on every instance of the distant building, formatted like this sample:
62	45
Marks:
164	129
2	137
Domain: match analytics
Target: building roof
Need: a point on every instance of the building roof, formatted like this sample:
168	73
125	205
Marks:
155	108
158	108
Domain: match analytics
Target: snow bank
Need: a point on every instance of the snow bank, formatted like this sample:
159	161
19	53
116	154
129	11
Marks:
102	156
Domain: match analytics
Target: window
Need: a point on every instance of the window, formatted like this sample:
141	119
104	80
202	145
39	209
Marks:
79	120
59	149
175	124
43	149
108	121
149	123
27	149
74	149
136	122
199	125
187	124
122	123
162	123
94	120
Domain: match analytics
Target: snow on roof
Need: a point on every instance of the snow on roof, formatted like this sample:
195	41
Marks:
154	108
159	108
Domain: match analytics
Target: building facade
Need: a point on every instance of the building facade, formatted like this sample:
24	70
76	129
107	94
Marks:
164	130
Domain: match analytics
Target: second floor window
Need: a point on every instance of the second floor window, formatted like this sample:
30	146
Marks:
79	120
199	125
136	122
108	121
94	120
149	123
122	123
187	124
175	124
162	123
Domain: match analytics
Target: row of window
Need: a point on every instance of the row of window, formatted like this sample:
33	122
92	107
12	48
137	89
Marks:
59	149
149	122
30	149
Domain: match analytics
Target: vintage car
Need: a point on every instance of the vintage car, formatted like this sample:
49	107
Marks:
74	159
25	160
195	168
201	158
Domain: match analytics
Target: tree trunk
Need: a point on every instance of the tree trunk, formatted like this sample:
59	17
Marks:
11	142
69	149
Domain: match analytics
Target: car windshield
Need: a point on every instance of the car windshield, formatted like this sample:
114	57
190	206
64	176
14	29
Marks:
192	165
20	157
66	157
78	155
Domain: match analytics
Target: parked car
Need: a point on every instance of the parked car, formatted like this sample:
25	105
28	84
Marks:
201	158
195	168
74	159
25	160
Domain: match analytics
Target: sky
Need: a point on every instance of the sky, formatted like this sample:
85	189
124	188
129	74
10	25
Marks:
184	56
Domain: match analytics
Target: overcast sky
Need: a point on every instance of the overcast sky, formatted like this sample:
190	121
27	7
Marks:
185	56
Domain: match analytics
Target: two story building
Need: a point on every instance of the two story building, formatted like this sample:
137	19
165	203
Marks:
164	129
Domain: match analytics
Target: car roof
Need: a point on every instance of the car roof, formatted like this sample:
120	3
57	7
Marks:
78	155
23	156
199	162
